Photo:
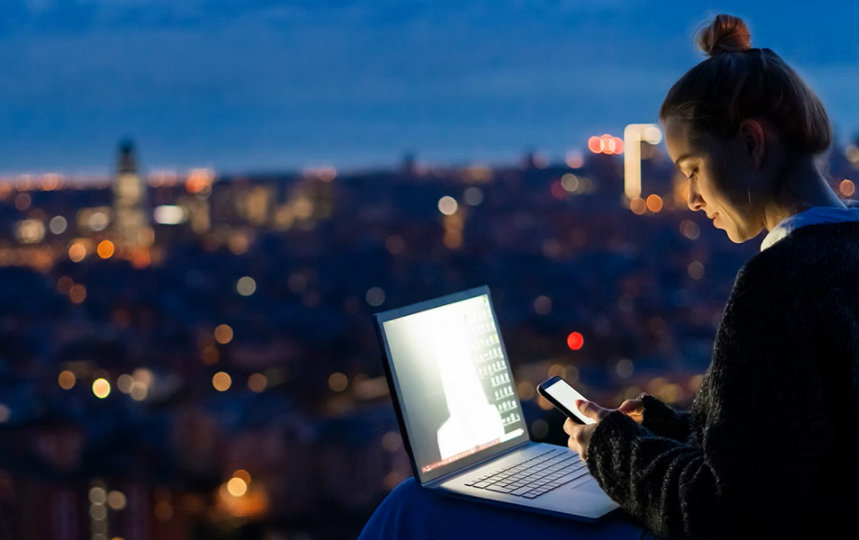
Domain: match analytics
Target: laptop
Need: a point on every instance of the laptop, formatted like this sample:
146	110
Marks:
460	417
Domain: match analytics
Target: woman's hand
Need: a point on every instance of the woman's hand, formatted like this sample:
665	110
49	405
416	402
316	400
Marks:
580	434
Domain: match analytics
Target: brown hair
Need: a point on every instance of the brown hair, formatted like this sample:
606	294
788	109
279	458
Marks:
738	82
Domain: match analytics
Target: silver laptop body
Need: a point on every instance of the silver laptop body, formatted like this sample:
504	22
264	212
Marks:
460	416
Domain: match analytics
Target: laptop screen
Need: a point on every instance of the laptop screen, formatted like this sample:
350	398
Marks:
455	388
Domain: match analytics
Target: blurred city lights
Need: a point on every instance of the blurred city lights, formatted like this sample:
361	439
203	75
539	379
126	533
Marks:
447	205
5	413
633	135
257	382
77	252
624	368
375	296
654	203
246	286
223	334
570	182
574	159
605	144
22	201
58	225
105	249
473	196
124	382
77	293
101	388
638	206
557	370
221	381
525	390
243	474
542	305
847	187
338	381
575	341
30	231
395	244
690	229
695	269
66	379
237	487
116	500
169	214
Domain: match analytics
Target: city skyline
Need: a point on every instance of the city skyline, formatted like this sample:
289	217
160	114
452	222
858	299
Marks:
267	85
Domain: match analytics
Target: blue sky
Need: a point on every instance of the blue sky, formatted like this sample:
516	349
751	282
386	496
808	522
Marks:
249	85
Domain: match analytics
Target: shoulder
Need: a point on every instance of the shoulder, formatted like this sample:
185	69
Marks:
808	254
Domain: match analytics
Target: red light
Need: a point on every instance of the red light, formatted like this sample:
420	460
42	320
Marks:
595	145
575	341
618	145
558	190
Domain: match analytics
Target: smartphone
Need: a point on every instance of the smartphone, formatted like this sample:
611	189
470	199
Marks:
563	396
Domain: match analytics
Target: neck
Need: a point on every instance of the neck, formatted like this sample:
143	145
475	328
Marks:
798	188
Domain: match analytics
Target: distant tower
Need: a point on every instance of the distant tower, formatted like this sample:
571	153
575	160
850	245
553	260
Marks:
131	226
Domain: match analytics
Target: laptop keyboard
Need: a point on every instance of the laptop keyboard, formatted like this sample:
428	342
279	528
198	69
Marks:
536	476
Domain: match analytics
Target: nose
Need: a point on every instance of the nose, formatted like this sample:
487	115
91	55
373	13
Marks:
694	201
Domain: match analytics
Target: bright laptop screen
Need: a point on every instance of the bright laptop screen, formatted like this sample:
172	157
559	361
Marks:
456	390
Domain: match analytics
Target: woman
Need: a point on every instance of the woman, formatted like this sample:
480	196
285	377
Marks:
770	447
771	444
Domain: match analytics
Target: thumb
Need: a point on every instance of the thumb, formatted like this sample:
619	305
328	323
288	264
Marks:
590	409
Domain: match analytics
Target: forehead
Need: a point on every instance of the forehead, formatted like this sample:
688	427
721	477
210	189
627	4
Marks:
681	140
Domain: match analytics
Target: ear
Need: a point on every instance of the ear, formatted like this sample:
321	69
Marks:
755	138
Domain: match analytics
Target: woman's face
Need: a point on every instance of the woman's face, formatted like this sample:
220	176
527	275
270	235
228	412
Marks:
720	180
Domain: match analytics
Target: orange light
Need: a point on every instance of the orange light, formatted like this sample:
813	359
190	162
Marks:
654	203
105	249
77	294
847	187
101	388
595	145
77	252
66	380
223	334
575	341
222	381
638	206
257	382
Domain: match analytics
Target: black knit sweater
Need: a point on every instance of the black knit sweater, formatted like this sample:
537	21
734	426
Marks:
771	445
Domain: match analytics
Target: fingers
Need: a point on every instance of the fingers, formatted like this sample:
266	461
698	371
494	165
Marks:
592	410
631	406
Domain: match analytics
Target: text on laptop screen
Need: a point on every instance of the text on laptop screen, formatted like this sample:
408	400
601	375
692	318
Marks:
456	387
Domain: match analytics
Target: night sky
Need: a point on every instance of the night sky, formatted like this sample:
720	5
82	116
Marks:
261	85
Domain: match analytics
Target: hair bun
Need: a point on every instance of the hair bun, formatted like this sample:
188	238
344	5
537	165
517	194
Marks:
725	34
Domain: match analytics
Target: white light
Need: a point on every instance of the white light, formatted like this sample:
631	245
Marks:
169	214
246	286
58	224
447	205
98	220
652	135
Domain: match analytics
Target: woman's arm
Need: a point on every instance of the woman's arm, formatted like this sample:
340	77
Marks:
762	449
664	421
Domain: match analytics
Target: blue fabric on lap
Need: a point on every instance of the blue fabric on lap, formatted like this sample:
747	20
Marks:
410	512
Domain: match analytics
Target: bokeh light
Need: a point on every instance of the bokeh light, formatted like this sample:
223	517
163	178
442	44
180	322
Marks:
66	379
101	388
575	341
223	334
222	381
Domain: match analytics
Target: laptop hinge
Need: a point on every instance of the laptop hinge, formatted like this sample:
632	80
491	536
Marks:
444	478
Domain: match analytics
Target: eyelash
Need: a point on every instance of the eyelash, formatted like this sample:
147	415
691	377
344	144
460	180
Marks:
694	174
